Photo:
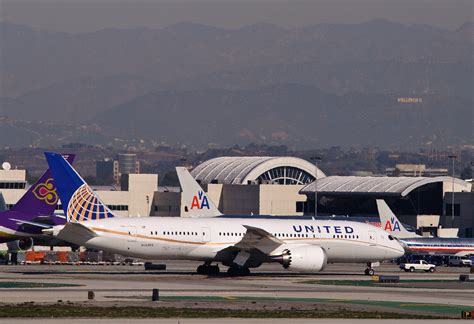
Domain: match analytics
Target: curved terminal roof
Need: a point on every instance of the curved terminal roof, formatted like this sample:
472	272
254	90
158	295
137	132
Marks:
241	170
377	185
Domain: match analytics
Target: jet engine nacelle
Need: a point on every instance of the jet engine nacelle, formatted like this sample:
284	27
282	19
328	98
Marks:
20	245
305	258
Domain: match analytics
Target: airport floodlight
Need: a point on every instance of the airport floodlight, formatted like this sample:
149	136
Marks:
453	158
316	160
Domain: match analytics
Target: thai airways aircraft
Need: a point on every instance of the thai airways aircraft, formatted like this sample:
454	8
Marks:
21	226
239	244
414	243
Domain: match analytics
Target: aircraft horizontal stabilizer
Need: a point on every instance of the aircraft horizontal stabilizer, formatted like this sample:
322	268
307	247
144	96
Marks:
74	232
20	222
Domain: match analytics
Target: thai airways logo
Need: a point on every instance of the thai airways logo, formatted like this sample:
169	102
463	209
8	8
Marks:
200	201
392	225
84	205
46	191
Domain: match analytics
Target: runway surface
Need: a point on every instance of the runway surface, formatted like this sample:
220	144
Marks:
270	285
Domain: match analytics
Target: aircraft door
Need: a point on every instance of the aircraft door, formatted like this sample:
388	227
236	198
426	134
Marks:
206	234
372	238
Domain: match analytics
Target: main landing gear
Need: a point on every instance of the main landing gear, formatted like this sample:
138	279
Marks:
208	269
370	268
238	271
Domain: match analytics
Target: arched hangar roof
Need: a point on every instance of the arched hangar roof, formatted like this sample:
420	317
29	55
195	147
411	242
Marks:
376	185
241	170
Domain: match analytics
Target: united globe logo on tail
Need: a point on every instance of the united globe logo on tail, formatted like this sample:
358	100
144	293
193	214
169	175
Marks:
200	201
84	205
392	225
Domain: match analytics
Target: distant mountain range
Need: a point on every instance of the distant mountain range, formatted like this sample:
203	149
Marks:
328	84
298	115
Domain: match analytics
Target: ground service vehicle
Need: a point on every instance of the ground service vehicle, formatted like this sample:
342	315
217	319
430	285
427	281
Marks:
421	265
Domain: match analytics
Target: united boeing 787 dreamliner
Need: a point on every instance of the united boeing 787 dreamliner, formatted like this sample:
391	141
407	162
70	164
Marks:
240	244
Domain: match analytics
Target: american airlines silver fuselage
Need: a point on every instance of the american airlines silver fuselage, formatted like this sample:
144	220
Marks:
209	239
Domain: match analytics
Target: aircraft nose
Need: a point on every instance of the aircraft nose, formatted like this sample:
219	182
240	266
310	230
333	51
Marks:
398	250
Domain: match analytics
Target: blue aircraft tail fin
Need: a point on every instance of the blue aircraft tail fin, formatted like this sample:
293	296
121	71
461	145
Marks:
79	201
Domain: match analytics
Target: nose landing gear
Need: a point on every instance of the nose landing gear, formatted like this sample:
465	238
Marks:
370	268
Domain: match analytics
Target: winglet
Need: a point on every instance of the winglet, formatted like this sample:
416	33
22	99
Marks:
390	223
196	201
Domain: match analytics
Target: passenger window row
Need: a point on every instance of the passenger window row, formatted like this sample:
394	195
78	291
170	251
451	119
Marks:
290	235
174	233
230	234
345	236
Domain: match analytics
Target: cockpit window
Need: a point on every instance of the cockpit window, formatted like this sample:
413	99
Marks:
390	237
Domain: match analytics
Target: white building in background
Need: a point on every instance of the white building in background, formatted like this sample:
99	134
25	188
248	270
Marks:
132	199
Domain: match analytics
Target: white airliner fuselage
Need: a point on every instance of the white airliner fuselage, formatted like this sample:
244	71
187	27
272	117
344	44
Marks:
221	239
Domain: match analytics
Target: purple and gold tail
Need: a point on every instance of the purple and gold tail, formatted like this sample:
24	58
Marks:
79	201
42	198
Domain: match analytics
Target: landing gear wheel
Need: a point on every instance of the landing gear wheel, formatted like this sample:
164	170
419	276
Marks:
213	270
238	272
369	271
207	269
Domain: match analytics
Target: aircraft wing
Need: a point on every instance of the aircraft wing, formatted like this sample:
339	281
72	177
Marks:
257	238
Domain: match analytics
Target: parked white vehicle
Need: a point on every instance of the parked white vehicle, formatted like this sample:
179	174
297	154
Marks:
457	261
421	265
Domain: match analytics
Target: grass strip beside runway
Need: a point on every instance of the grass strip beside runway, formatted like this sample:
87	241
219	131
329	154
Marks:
434	308
71	310
26	284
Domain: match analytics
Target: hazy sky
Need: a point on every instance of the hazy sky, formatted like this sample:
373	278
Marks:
89	15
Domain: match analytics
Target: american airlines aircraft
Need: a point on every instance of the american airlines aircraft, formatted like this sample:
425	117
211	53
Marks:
239	244
415	243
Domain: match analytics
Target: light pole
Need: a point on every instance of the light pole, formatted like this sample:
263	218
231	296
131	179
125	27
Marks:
316	159
453	158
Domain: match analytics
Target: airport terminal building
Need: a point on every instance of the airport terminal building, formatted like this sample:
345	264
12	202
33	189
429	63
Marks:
422	202
247	185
